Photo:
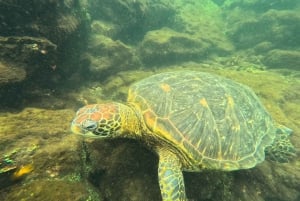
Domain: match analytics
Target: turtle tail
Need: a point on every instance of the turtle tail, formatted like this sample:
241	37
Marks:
282	150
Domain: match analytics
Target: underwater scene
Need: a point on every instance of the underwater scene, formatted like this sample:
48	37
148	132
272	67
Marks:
202	98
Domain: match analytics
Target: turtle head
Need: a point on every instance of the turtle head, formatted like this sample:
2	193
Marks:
97	121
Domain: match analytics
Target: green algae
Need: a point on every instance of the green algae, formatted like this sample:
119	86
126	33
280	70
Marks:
166	45
41	137
50	190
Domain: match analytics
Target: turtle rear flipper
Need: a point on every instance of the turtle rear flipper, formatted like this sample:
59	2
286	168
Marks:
282	150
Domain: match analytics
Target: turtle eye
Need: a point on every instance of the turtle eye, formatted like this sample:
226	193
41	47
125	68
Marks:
89	125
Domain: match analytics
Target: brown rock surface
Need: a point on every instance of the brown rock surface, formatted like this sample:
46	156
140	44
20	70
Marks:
11	74
106	55
284	59
41	138
168	46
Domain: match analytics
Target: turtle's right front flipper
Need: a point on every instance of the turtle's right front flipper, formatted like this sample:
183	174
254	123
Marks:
170	176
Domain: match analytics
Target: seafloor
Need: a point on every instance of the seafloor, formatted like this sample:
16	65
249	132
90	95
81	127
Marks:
60	55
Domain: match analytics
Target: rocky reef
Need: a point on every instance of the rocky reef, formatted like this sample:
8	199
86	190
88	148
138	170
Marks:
35	38
101	170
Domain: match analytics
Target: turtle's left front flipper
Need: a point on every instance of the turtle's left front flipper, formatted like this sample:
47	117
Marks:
170	176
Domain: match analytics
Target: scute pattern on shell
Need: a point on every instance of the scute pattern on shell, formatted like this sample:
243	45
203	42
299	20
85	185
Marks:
211	120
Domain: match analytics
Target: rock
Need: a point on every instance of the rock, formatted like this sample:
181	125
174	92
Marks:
287	59
11	74
132	18
259	6
277	27
45	189
107	55
107	29
28	52
53	20
263	47
41	36
268	181
205	21
165	46
21	48
41	138
284	26
123	169
193	29
116	86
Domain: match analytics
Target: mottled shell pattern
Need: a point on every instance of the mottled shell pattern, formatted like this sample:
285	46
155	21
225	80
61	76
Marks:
211	121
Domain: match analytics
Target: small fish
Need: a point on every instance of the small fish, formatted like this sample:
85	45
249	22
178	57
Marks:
22	171
53	67
43	52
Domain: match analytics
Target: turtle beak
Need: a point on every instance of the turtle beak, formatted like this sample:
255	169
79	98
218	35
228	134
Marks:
76	129
79	131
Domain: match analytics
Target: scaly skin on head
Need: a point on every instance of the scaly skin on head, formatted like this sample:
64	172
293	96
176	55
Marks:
107	121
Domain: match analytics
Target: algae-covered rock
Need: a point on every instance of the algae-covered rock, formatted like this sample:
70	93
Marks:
278	27
196	32
29	54
45	37
260	6
269	181
205	21
31	131
54	20
107	29
27	50
132	18
168	46
288	59
263	47
197	29
106	54
44	189
123	169
40	139
116	86
10	73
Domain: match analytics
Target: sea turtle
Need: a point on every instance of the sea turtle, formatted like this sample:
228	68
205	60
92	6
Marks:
193	121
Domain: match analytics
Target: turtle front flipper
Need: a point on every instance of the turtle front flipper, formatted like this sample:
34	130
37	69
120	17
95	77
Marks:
170	176
282	150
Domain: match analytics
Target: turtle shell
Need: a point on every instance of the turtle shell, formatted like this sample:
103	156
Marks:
210	121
